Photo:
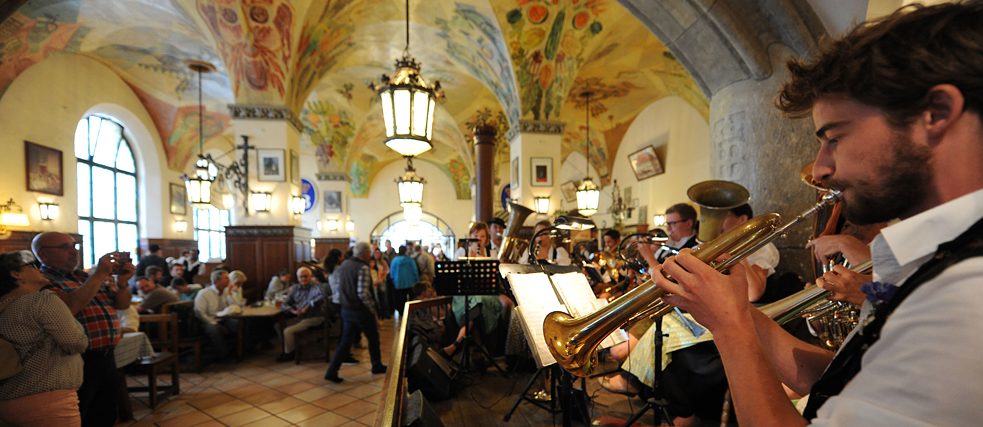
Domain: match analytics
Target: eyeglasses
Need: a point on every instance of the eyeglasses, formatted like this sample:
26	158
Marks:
672	223
64	247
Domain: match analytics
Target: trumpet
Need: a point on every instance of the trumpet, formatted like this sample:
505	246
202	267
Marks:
628	248
573	341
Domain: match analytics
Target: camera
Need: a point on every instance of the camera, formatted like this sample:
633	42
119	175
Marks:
121	259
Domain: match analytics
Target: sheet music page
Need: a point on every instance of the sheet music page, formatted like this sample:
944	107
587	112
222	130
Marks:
579	298
536	299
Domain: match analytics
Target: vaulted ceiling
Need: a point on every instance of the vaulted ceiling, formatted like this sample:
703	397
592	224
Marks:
503	59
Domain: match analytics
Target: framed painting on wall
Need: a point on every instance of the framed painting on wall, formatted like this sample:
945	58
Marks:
332	201
645	163
569	190
271	165
179	199
44	169
541	171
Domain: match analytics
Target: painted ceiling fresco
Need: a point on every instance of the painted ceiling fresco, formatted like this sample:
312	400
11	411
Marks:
501	60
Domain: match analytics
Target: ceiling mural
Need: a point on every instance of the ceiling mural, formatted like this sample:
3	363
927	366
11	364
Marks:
507	60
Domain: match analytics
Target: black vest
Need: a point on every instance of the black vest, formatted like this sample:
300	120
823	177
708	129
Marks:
348	284
847	362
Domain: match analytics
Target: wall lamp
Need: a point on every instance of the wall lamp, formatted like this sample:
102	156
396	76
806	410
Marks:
180	225
48	211
11	215
297	205
262	201
542	205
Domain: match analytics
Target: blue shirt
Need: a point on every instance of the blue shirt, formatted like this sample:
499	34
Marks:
300	296
404	272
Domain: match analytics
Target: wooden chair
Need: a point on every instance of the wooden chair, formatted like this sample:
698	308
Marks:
165	340
317	339
189	334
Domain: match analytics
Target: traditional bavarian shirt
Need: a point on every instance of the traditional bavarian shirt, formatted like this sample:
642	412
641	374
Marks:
98	316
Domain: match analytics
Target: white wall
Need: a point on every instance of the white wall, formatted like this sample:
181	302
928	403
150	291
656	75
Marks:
438	199
44	104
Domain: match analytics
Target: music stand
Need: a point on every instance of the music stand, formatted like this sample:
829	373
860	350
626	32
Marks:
657	401
468	277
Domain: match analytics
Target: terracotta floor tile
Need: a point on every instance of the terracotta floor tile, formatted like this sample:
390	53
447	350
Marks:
188	419
227	408
314	393
356	409
272	421
367	419
301	413
241	418
281	405
278	381
335	400
247	390
363	391
211	423
264	397
325	419
208	400
295	388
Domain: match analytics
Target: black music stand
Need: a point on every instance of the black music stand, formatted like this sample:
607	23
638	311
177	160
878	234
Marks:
657	401
467	277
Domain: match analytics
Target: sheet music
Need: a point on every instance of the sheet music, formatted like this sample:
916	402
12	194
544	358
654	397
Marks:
536	299
577	295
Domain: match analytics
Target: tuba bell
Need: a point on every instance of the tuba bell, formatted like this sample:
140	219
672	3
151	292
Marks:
573	341
512	245
715	198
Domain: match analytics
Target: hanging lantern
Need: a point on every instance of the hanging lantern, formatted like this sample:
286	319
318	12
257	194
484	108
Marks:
200	184
410	186
588	196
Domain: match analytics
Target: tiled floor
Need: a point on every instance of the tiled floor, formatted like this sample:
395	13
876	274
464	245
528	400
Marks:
260	392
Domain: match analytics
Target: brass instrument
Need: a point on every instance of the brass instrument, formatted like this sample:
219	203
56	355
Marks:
790	308
628	248
513	246
715	198
573	341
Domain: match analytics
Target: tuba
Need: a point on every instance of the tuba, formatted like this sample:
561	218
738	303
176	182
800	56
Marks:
715	198
573	341
513	246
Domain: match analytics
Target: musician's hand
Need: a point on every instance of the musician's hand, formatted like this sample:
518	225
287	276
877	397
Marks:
826	247
647	252
844	285
714	299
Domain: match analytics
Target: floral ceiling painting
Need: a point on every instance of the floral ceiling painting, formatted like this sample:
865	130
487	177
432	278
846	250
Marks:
506	60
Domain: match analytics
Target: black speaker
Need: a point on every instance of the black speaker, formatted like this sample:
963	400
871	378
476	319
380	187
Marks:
418	413
430	373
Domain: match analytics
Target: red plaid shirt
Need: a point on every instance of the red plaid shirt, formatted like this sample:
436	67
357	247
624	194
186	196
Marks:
98	317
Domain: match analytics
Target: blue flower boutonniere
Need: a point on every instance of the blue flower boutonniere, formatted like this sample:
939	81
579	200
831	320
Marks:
878	292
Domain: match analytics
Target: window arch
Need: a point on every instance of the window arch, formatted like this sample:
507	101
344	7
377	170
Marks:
428	231
107	188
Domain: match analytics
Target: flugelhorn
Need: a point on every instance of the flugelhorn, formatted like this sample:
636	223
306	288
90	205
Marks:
715	198
788	309
573	341
512	245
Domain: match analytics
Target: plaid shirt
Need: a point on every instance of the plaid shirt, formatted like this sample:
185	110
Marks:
98	317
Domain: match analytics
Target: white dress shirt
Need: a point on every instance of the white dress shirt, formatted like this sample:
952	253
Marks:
925	369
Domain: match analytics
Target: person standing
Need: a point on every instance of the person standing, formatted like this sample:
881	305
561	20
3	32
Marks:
151	258
94	302
358	311
405	274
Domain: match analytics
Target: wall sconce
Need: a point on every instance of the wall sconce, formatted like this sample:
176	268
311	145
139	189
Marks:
542	205
48	211
261	201
659	220
350	226
180	225
297	205
11	214
331	225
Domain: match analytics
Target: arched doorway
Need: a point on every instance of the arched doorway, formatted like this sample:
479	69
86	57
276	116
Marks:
429	231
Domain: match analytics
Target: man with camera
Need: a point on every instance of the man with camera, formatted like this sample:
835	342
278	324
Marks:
94	304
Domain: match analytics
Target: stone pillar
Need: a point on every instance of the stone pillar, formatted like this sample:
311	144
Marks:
538	140
484	149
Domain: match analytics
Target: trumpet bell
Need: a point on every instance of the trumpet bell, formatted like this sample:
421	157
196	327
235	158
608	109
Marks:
715	198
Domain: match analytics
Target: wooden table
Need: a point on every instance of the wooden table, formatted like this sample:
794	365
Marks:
132	346
251	312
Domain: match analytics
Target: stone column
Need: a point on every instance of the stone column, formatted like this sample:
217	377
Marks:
540	140
484	150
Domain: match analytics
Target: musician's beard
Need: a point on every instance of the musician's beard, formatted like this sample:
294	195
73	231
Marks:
897	189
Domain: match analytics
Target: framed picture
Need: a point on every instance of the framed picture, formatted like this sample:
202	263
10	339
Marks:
569	190
332	201
179	199
271	165
44	172
514	182
294	167
645	163
542	171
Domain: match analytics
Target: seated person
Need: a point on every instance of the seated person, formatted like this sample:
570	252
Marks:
303	301
184	291
211	305
547	251
493	307
154	296
237	279
176	270
278	285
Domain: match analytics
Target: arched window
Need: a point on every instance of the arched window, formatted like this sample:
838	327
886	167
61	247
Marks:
427	231
107	188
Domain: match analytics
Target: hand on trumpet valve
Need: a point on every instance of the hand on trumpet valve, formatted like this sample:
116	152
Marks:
844	285
713	298
826	247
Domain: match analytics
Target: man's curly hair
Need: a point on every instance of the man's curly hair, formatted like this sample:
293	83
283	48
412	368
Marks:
892	62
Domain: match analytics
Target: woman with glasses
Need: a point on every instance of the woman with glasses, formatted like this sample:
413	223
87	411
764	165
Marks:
49	342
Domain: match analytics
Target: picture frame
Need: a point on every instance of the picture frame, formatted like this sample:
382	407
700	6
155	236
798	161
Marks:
541	171
294	167
44	170
569	190
270	165
179	199
645	163
332	201
514	181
